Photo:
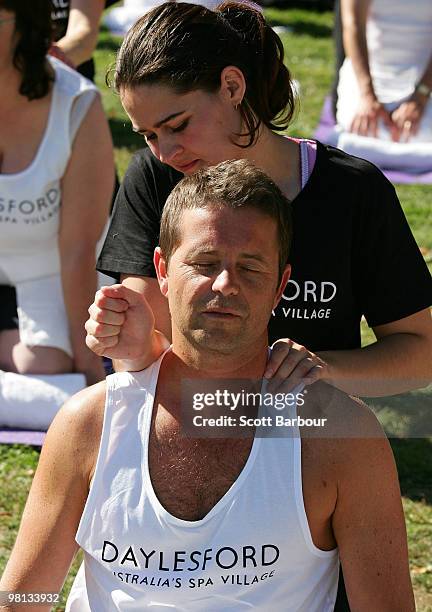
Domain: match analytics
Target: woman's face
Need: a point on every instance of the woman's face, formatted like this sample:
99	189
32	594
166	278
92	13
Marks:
185	131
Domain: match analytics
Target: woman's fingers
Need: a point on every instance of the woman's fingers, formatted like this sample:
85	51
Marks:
367	118
111	298
101	330
355	125
392	127
316	373
365	125
305	372
107	315
55	51
296	366
280	351
102	346
408	117
104	315
121	323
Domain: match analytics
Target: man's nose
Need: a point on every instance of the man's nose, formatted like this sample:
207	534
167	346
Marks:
226	282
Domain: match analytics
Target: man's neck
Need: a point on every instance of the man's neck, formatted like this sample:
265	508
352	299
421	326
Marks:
248	362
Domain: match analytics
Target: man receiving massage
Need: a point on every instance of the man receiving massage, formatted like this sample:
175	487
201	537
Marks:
191	521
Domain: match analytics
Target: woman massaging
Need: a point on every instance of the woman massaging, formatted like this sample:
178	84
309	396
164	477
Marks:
204	86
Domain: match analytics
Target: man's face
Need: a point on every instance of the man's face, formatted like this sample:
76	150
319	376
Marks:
222	280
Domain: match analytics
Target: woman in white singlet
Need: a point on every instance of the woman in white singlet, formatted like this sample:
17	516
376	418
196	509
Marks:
385	83
54	140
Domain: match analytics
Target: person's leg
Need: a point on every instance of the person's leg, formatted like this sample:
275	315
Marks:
19	358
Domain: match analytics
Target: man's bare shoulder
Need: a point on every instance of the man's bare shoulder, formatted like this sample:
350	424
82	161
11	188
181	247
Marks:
84	411
350	436
345	416
77	427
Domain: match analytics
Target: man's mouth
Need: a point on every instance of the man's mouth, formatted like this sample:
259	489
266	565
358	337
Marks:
222	313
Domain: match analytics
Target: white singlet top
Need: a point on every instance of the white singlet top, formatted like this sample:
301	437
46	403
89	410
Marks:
399	41
30	200
253	550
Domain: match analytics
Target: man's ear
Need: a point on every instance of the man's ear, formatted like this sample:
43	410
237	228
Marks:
233	85
283	283
161	270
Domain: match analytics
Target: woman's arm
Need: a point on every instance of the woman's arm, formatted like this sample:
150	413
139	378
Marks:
400	360
86	195
354	17
80	39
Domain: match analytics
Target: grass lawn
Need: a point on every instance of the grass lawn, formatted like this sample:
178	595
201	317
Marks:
309	55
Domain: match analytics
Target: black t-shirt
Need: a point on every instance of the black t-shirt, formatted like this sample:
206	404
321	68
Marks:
353	253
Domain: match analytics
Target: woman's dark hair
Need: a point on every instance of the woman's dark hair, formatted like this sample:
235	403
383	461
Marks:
34	33
186	47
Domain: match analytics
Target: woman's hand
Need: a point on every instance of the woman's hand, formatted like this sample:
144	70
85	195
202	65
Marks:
122	326
292	364
368	115
55	51
408	116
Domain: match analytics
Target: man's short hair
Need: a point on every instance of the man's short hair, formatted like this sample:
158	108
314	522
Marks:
234	184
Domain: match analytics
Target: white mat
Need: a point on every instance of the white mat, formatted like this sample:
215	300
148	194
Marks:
413	157
31	402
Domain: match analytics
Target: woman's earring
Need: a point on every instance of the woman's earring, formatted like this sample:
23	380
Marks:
236	106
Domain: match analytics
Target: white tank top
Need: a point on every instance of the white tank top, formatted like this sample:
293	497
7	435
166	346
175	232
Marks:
399	41
30	200
253	550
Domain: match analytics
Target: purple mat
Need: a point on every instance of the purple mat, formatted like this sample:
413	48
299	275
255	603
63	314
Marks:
324	129
22	436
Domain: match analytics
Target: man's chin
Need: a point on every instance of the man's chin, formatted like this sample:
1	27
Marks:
218	341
